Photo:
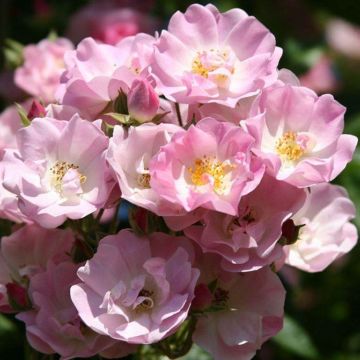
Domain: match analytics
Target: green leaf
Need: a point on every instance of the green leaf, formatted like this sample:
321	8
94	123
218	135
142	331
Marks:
52	36
296	340
13	53
23	115
121	118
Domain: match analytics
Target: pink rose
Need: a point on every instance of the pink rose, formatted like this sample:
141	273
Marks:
43	64
61	170
299	135
245	311
210	165
95	73
208	56
327	234
249	241
53	325
132	171
137	290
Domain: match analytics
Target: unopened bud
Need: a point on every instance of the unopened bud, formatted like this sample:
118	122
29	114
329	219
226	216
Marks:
36	110
143	102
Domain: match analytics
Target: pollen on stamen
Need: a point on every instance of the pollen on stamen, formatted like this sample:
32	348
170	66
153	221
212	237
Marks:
288	147
208	168
58	172
144	181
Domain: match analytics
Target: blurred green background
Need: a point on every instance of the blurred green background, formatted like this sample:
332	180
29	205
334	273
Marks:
323	310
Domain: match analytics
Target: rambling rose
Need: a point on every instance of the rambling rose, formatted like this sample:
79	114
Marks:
327	233
132	170
60	171
95	73
208	56
245	311
134	289
299	135
53	324
210	165
249	241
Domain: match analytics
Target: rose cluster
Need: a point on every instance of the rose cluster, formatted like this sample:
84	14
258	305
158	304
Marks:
221	162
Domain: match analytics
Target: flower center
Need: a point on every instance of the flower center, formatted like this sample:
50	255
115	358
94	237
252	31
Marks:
208	170
144	181
147	302
291	146
58	172
206	62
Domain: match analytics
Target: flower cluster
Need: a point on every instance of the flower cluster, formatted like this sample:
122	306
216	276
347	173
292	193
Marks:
222	163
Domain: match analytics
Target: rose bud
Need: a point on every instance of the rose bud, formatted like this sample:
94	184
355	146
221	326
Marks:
143	102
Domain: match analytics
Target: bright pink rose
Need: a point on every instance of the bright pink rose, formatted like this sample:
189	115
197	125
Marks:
299	135
109	22
208	56
327	234
246	310
130	162
95	72
43	64
134	289
210	165
344	37
53	325
249	241
61	170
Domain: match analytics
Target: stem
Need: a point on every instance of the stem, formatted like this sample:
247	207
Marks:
178	114
115	223
99	215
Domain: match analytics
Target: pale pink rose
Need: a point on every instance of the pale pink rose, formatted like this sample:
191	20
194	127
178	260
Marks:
208	56
246	310
27	251
43	64
249	241
321	77
129	155
109	22
327	234
136	289
53	324
299	135
142	101
210	165
61	170
95	73
344	37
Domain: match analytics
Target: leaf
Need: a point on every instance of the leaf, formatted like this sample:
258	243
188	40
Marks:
23	115
296	340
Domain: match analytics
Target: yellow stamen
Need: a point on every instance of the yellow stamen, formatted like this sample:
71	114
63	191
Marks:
207	166
288	148
58	172
144	181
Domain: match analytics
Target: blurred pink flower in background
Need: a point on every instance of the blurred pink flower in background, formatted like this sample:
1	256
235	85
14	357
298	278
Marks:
321	76
39	75
110	21
344	37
